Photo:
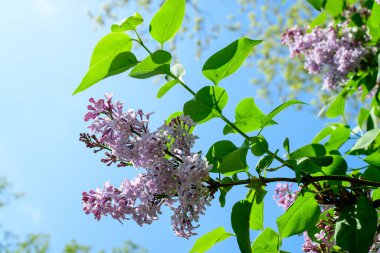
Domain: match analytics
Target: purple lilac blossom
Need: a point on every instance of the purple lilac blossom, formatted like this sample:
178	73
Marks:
333	52
283	195
173	177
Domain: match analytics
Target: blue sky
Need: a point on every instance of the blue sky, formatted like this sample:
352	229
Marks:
45	49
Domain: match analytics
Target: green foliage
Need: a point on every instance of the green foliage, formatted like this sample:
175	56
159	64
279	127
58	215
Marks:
356	226
208	103
317	4
256	221
366	139
336	108
268	118
259	145
310	150
207	241
240	218
157	63
167	21
373	159
248	117
110	57
300	216
228	60
268	241
131	23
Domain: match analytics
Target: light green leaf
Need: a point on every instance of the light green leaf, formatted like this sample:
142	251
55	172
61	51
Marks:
256	221
268	241
207	104
319	20
167	21
303	214
248	117
155	64
111	56
323	134
207	241
131	23
240	224
338	137
362	118
336	108
356	226
366	139
166	87
228	60
268	118
334	7
373	159
264	163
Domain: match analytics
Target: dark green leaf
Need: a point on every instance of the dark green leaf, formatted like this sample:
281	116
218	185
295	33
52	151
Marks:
167	21
207	241
286	146
356	226
366	139
264	163
155	64
268	118
228	60
207	104
338	167
317	4
336	108
372	174
268	241
259	145
131	23
234	162
248	117
111	56
308	151
300	216
240	217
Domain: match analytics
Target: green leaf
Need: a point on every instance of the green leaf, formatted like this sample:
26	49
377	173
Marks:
207	241
336	108
264	163
259	145
362	118
228	60
356	226
286	145
227	158
334	7
207	104
338	167
317	4
376	194
373	159
224	190
323	134
300	216
248	117
372	174
167	21
373	23
338	137
366	139
309	150
155	64
111	56
166	87
131	23
268	118
240	217
268	241
319	20
234	162
256	221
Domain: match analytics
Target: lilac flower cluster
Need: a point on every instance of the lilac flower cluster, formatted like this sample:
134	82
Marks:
173	177
334	51
283	195
324	237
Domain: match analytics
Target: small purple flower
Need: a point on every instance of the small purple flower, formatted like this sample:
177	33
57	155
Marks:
283	195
